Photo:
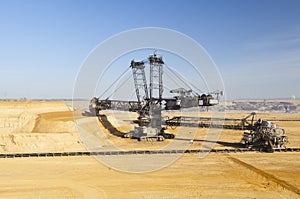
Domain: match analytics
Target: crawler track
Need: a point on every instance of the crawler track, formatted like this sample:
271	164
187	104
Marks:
136	152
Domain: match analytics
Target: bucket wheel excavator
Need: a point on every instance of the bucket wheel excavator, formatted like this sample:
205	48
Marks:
150	101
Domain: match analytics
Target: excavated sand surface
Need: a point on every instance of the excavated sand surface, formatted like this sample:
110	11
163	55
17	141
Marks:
39	126
215	176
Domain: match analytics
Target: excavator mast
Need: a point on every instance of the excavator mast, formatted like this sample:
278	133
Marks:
156	71
139	77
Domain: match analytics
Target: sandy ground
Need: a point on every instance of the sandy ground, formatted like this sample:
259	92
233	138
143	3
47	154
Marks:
215	176
49	126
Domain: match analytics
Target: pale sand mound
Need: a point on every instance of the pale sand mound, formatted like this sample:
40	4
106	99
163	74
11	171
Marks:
36	126
54	122
20	116
39	142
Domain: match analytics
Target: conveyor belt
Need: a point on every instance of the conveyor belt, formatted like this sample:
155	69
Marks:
135	152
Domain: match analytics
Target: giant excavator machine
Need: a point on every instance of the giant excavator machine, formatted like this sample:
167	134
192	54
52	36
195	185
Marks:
150	102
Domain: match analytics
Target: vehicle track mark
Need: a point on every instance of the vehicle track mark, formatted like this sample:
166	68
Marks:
266	175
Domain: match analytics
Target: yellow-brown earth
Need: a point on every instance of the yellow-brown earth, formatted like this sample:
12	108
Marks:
48	126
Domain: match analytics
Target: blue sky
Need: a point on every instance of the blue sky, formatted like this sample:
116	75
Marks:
255	44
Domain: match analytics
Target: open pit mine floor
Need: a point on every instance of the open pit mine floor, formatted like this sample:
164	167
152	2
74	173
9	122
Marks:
48	128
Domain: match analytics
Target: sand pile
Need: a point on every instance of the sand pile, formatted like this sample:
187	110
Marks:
39	142
20	116
54	122
35	126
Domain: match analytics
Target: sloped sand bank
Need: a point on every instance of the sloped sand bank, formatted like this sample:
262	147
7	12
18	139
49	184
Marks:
36	126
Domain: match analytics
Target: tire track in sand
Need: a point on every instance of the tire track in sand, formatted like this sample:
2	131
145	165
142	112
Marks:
266	175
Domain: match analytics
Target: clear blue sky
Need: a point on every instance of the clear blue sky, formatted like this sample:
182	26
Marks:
255	44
